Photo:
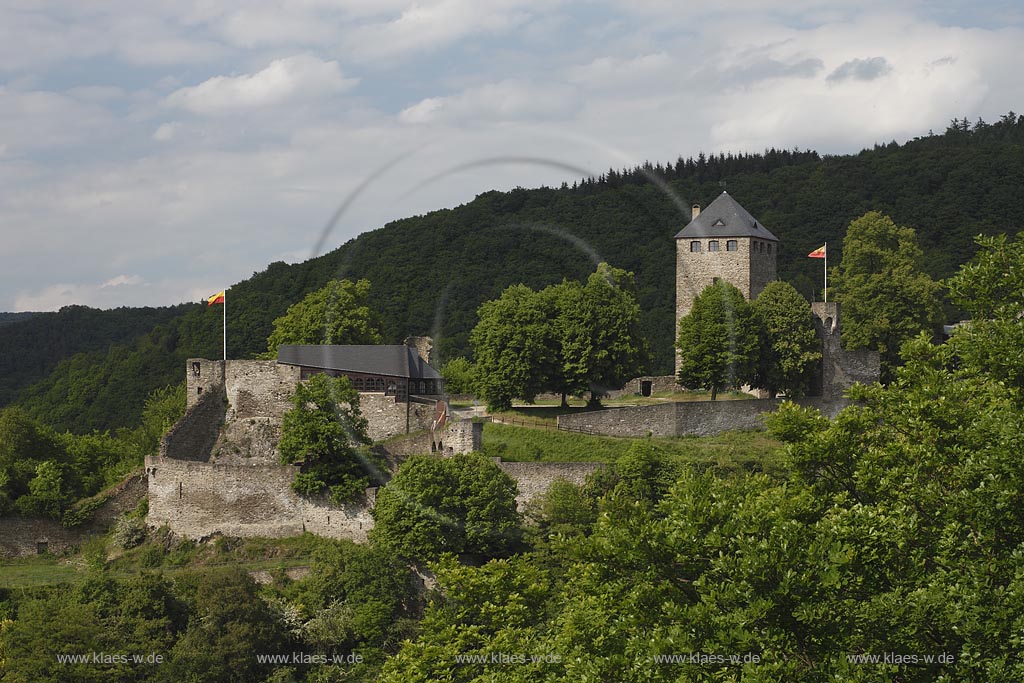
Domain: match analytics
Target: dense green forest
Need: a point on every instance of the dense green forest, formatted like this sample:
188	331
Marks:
430	273
34	346
8	318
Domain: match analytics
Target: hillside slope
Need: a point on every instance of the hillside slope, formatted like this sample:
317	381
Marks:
431	272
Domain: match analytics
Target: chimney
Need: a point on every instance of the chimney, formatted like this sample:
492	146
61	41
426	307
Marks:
424	348
695	211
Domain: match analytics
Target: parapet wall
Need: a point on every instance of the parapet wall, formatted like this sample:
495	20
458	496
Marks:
198	500
696	418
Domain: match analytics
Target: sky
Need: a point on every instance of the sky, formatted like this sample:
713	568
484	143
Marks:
156	152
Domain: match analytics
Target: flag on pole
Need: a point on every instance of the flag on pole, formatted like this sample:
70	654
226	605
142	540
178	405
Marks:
822	252
218	298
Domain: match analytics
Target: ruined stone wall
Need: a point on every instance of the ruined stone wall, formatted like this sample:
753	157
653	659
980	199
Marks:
194	435
23	536
198	500
659	384
259	388
464	436
840	369
424	348
388	418
202	376
534	478
696	418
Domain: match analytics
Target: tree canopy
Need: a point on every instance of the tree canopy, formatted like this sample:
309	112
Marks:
567	338
718	340
322	433
463	504
337	313
790	353
887	297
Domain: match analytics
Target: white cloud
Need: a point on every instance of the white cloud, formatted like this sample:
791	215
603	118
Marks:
122	280
432	24
287	79
166	131
495	102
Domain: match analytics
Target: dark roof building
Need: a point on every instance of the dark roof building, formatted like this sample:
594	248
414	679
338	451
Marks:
724	217
397	370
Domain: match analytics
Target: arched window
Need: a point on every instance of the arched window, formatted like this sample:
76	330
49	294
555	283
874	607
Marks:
731	245
359	383
695	245
713	245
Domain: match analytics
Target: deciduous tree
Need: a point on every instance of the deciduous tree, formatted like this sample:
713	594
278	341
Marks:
718	340
338	313
886	296
322	432
790	350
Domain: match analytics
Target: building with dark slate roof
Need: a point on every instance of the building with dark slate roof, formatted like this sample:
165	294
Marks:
395	370
723	242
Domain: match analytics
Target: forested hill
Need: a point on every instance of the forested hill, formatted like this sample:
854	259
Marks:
431	272
32	345
8	318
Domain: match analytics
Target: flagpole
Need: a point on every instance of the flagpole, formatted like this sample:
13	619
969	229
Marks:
224	310
826	279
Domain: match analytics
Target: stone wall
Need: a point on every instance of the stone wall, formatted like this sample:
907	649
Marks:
388	418
23	536
463	436
194	435
260	388
659	384
695	418
198	500
534	478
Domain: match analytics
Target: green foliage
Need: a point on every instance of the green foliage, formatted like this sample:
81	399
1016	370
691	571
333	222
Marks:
432	506
459	376
790	351
337	313
322	432
885	293
434	271
718	340
567	339
512	346
990	289
229	624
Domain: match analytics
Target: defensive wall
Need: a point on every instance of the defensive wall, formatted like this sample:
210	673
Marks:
695	418
22	536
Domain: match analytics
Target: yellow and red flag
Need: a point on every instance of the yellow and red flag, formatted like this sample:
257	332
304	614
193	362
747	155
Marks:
817	253
217	298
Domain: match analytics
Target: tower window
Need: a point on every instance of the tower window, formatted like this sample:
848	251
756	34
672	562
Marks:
695	245
769	247
731	245
713	245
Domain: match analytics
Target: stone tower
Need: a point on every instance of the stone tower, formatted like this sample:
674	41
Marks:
722	242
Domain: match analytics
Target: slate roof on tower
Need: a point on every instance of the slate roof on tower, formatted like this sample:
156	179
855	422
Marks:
724	217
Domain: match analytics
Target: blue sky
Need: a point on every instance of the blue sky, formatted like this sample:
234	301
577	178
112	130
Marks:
156	152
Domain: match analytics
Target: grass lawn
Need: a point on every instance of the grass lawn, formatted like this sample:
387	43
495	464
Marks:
746	450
